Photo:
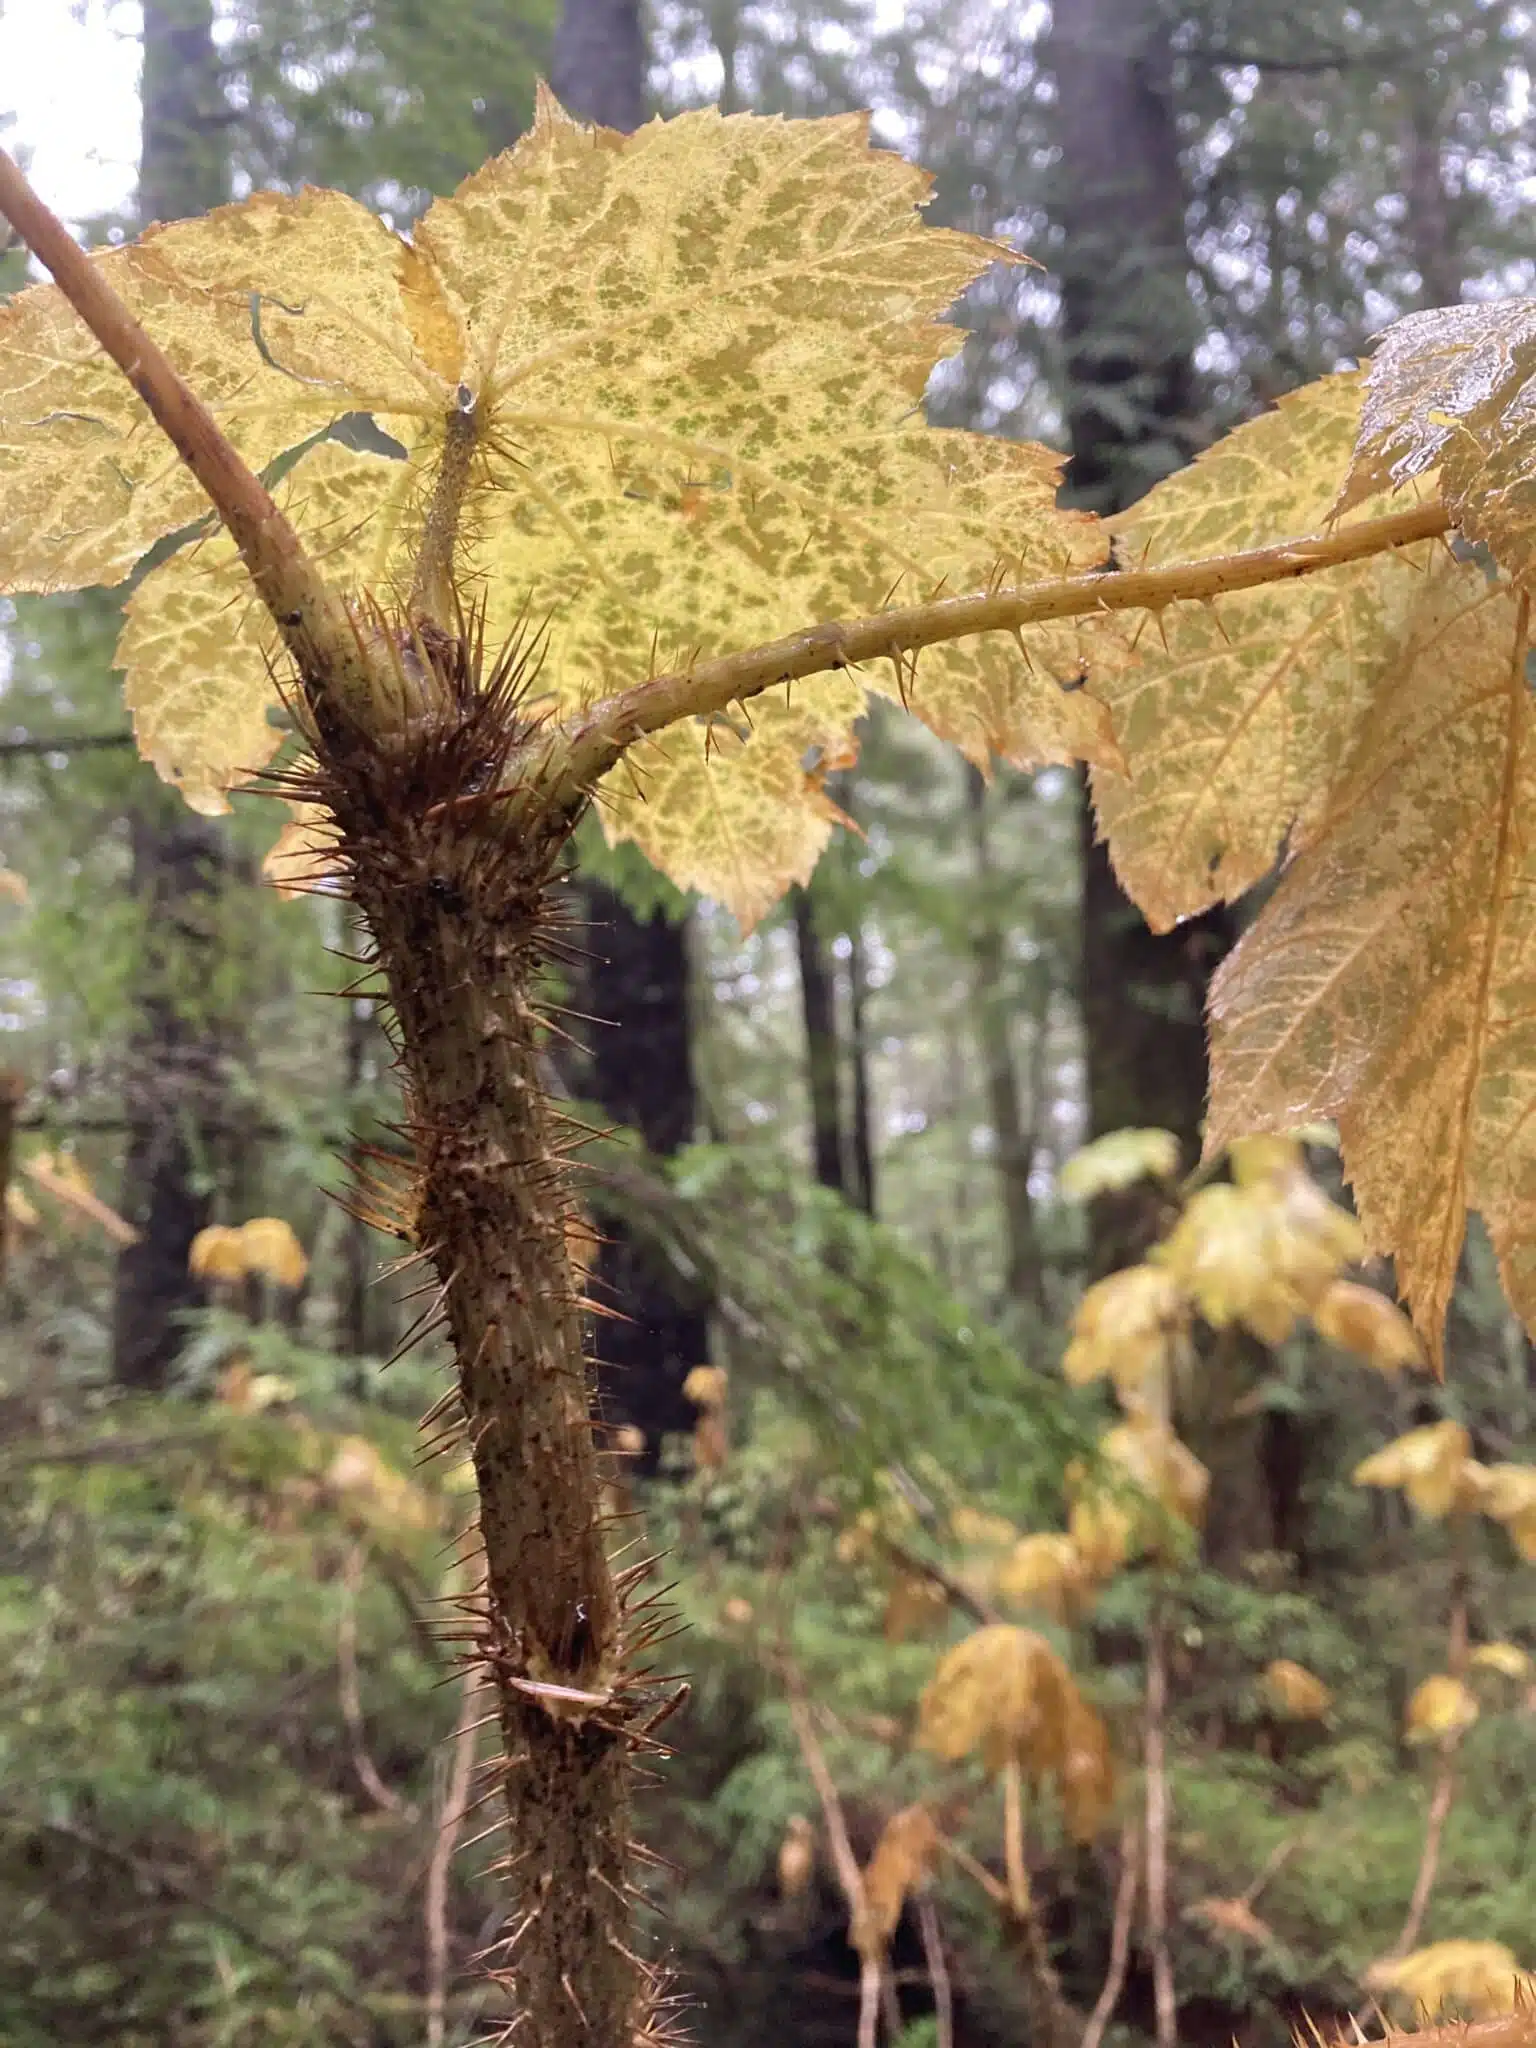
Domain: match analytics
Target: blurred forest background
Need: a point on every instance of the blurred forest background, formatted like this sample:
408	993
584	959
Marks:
232	1749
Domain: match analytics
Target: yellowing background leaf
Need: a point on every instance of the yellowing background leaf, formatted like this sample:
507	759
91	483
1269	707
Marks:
1477	1978
1117	1160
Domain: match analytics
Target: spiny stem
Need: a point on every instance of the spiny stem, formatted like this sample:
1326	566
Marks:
432	591
595	738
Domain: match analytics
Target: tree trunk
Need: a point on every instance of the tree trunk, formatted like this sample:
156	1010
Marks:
640	1053
598	67
1132	412
1013	1141
862	1191
174	1091
818	1005
641	1073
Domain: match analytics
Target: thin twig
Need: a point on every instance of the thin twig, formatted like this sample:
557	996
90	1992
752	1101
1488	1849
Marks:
1156	1759
1441	1799
1119	1938
351	1691
845	1864
451	1819
938	1973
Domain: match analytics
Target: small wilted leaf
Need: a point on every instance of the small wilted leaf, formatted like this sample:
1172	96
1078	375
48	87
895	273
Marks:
1428	1464
1129	1326
1441	1707
1477	1978
797	1857
1235	1917
706	1386
1086	1772
902	1858
1360	1320
375	1496
1510	1497
1295	1691
1047	1571
1002	1694
1451	389
1508	1659
914	1605
13	887
1119	1160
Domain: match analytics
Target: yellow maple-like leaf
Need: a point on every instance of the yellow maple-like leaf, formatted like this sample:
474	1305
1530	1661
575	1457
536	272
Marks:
1295	1691
1360	1320
1441	1707
1450	390
1161	1465
1478	1978
88	481
1427	1463
1047	1571
270	1246
217	1253
695	357
199	650
1235	719
1003	1694
1510	1497
1102	1531
1508	1659
1383	983
1118	1160
1130	1326
1260	1253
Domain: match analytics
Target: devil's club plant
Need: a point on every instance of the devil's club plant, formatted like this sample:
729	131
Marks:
650	407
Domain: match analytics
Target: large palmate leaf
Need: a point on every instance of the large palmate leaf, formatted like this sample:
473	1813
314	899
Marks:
696	357
1370	724
1236	720
1455	390
1389	981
